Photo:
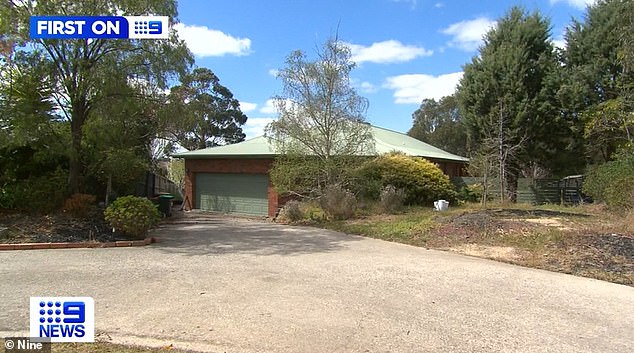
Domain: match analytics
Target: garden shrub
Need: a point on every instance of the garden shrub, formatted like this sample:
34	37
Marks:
612	183
7	196
132	215
42	194
337	202
422	181
471	193
619	194
391	199
80	205
312	211
291	212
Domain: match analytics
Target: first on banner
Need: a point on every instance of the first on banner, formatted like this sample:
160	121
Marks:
99	27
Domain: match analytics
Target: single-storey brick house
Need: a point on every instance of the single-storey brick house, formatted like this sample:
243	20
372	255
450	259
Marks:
234	178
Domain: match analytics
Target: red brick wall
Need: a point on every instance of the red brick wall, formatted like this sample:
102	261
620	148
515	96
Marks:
451	169
238	166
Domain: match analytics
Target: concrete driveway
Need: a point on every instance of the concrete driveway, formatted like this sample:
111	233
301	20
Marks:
245	286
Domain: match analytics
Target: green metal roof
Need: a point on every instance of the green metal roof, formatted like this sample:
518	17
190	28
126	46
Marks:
385	141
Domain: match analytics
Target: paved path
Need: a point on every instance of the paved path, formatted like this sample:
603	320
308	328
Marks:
245	286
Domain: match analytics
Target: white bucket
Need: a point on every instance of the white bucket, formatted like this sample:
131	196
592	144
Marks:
441	205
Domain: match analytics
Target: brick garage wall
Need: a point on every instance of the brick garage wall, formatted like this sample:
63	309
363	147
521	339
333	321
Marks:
262	166
237	166
451	169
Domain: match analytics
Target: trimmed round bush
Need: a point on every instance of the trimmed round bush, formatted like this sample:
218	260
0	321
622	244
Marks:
422	181
132	215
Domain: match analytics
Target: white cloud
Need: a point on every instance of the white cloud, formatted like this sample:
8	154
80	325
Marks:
268	108
413	88
204	41
580	4
246	107
439	5
559	43
363	86
254	127
367	87
413	3
274	72
389	51
467	35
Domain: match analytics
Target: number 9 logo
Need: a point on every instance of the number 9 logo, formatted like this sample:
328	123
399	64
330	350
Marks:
75	309
155	27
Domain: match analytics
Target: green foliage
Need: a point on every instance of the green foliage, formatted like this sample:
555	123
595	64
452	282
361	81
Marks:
295	174
471	193
439	124
391	199
312	211
609	127
26	101
596	92
308	175
44	193
508	95
208	113
291	212
422	181
80	205
123	166
612	183
619	194
83	72
338	202
176	172
132	215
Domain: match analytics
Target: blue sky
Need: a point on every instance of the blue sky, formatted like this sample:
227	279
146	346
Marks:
406	50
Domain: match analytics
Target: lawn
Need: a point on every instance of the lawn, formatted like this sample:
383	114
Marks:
581	240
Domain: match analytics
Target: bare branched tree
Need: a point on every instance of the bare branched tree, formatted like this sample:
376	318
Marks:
321	116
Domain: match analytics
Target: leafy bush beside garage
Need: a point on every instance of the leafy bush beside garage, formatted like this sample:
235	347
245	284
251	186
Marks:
422	181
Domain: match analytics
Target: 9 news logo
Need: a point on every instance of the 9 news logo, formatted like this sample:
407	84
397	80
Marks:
62	319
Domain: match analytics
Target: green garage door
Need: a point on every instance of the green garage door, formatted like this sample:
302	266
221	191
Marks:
232	193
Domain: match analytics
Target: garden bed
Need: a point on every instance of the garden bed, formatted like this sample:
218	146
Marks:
16	227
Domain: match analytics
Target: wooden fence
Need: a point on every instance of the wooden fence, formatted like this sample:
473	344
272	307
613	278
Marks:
533	191
153	184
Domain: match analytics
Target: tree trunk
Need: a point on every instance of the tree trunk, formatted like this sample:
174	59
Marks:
108	189
501	155
511	185
74	166
485	183
79	115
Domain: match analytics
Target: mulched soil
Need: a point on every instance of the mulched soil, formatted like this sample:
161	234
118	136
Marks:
585	254
58	227
576	251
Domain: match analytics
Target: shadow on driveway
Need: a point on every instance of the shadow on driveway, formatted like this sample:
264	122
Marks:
221	236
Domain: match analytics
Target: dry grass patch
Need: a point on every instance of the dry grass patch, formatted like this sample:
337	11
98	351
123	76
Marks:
502	253
103	347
